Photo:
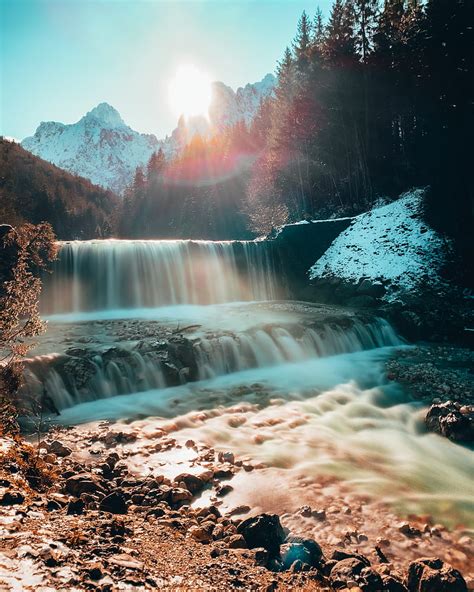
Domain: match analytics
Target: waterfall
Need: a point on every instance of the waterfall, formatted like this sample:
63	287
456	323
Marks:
130	369
127	274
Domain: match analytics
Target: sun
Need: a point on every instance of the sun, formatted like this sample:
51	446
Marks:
190	92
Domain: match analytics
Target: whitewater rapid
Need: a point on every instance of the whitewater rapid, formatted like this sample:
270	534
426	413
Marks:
298	387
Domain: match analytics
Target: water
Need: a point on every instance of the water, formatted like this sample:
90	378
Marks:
119	274
301	388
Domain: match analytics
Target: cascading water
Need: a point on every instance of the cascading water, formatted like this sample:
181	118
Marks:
187	331
120	274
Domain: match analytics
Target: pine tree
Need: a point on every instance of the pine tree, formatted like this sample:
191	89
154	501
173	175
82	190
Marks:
302	44
318	29
365	12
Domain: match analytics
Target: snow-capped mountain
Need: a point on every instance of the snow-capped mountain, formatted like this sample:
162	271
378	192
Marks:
228	107
104	149
100	147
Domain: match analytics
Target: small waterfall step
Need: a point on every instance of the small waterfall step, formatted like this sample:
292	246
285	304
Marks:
83	373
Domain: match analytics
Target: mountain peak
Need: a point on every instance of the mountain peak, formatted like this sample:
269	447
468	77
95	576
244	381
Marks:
105	114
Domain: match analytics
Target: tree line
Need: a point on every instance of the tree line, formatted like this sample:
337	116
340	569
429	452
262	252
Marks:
372	99
34	191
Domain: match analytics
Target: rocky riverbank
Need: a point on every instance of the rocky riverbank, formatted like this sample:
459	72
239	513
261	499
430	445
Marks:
132	507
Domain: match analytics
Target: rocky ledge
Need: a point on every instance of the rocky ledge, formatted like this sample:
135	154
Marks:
76	514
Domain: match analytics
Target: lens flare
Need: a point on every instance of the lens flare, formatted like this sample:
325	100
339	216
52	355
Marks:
190	92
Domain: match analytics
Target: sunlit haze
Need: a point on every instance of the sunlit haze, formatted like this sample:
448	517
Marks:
190	91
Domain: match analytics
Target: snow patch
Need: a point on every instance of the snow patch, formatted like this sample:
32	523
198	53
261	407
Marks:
391	243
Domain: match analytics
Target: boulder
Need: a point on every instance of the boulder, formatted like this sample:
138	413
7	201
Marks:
75	507
448	420
346	571
433	575
56	447
361	301
391	584
113	503
371	288
83	483
292	552
193	483
311	547
11	497
264	530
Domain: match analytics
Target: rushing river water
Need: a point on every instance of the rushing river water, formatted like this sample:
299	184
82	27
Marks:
298	387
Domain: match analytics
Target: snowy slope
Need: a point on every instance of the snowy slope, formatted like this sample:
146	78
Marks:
104	149
100	147
229	107
390	243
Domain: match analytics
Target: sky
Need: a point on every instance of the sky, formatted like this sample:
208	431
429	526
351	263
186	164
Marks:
60	58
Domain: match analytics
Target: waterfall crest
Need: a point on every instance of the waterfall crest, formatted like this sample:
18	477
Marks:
128	274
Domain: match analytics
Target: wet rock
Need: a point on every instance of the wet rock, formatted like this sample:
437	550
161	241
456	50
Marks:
370	288
180	496
113	503
408	530
369	580
75	507
226	457
264	530
11	497
56	447
361	302
448	420
293	552
83	483
310	546
346	571
193	483
339	555
223	490
433	575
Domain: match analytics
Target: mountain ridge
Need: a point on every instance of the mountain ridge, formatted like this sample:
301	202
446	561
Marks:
102	148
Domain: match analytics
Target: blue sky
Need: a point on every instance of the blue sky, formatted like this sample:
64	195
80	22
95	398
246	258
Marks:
59	58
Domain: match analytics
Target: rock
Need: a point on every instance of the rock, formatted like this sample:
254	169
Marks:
56	447
361	302
193	483
391	584
371	288
408	530
11	497
94	571
370	580
311	547
125	560
339	555
433	575
293	552
236	541
83	483
75	507
113	503
261	556
264	530
345	571
447	420
226	457
201	534
179	495
223	490
53	506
